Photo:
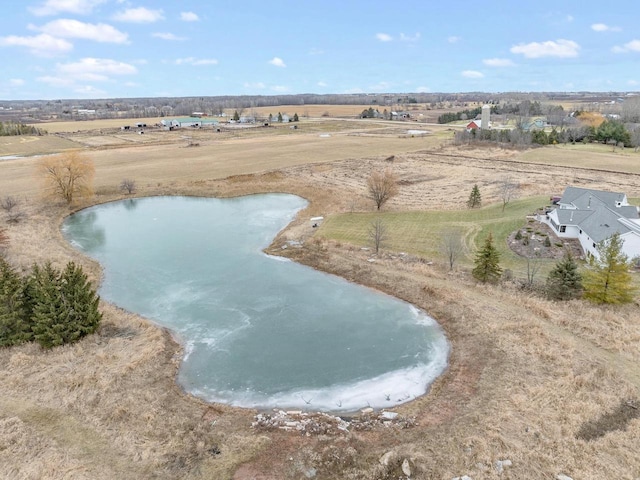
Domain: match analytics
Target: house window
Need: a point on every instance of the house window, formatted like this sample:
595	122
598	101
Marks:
563	228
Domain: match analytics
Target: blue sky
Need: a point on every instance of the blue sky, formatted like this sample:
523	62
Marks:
119	48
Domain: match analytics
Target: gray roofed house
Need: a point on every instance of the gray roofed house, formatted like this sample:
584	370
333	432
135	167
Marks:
592	216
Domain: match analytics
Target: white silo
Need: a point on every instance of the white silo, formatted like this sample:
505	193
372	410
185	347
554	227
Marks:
485	118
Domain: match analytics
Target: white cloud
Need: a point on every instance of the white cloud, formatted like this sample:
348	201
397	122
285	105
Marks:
472	74
56	81
277	62
601	27
139	15
16	82
322	84
189	17
560	48
380	87
74	75
255	85
42	45
196	61
205	61
67	28
423	89
280	88
168	36
454	39
90	91
498	62
95	69
569	18
316	51
410	38
632	46
53	7
384	37
633	83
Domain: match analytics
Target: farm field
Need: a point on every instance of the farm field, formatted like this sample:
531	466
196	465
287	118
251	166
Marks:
593	156
85	125
26	145
546	385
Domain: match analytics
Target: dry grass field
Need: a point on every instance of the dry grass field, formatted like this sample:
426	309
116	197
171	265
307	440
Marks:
551	387
32	145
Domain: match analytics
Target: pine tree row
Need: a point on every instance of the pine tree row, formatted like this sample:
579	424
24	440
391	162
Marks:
47	306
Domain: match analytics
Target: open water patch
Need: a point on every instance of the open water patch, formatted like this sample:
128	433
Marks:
258	332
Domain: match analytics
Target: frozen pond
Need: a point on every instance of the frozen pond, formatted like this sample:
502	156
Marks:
259	331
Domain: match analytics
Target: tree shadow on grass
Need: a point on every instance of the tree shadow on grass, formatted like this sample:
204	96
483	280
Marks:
611	421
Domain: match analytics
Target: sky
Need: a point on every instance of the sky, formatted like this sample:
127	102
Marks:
68	49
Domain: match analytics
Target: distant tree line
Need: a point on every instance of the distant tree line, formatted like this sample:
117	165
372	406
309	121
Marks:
469	113
15	128
611	132
47	306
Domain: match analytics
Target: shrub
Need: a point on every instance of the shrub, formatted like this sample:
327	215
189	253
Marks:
547	242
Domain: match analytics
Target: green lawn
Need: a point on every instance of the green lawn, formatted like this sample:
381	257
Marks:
420	233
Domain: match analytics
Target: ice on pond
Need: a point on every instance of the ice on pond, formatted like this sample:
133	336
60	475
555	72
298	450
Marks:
258	332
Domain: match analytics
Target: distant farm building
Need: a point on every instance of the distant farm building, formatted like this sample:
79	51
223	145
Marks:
473	125
188	122
485	119
400	115
537	124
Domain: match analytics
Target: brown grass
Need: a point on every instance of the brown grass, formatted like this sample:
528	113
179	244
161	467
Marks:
525	376
26	145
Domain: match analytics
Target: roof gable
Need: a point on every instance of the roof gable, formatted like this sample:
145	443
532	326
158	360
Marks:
582	197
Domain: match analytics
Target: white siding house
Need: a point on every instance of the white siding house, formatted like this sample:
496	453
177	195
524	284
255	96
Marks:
592	216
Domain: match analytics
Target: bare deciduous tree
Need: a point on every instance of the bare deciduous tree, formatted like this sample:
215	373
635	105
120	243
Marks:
67	175
8	203
377	234
451	246
508	190
534	262
127	185
381	187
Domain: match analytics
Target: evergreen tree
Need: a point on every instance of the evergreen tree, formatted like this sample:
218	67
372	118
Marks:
236	116
487	262
83	301
48	312
14	324
279	117
564	281
475	200
65	307
608	279
295	117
